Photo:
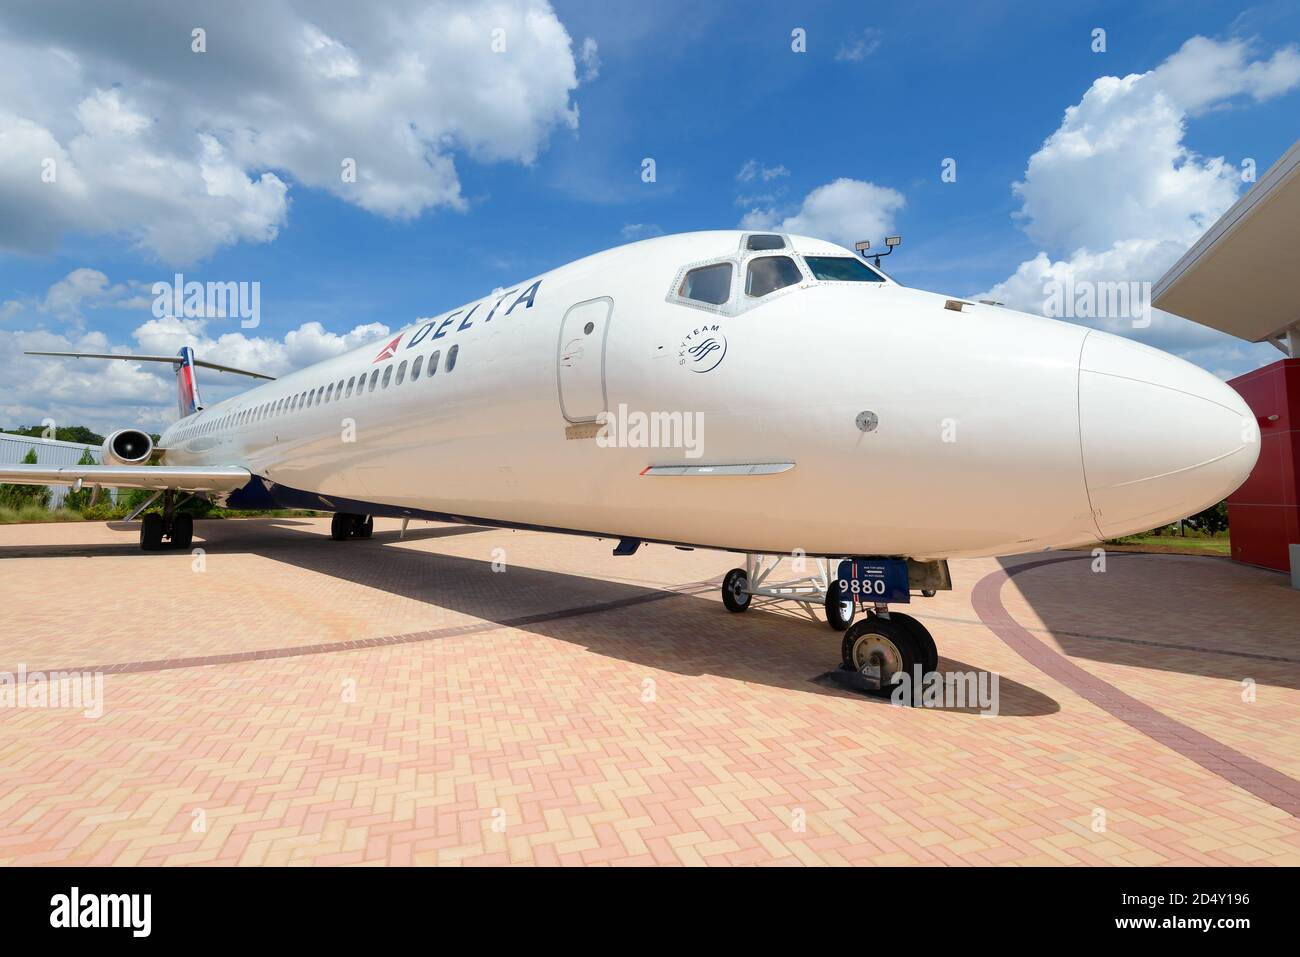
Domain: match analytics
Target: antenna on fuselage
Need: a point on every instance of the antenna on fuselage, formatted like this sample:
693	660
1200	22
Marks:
890	243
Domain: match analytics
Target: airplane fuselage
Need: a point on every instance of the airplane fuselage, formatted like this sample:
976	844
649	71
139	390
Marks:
889	421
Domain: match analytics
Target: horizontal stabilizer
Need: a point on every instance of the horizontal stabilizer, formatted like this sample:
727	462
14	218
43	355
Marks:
180	477
175	360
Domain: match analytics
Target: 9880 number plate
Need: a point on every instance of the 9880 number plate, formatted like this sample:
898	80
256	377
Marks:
874	580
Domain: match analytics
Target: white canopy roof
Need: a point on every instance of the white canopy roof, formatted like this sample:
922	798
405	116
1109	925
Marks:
1241	276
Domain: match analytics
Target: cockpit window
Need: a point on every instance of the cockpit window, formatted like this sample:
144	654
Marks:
765	241
770	273
841	269
711	284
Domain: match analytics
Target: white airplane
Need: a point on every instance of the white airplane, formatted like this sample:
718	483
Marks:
748	391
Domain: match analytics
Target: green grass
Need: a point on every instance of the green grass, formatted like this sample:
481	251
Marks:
1218	545
37	513
30	514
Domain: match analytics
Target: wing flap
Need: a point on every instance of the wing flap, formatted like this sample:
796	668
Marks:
181	477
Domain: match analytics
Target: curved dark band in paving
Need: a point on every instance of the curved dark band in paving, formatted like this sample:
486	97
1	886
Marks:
1267	784
523	621
1143	642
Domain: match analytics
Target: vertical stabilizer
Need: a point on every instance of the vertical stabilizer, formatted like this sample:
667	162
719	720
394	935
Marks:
187	386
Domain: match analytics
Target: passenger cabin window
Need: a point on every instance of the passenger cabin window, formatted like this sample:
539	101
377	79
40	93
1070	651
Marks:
841	269
401	373
415	368
767	274
388	374
350	381
451	357
711	284
764	241
374	377
433	362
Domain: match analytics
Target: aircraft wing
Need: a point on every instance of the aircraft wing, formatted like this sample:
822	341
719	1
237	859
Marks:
180	477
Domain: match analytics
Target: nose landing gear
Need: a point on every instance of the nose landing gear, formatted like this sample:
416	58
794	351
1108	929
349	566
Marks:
877	649
884	645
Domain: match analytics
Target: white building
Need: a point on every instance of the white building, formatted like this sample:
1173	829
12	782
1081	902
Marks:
13	448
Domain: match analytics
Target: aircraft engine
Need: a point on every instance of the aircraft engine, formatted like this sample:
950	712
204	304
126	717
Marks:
127	447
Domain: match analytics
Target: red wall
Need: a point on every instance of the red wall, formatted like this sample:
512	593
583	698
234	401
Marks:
1264	514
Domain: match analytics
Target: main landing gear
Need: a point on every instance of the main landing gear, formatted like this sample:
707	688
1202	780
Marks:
175	526
345	525
878	648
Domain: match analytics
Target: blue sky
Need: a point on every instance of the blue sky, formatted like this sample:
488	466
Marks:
882	95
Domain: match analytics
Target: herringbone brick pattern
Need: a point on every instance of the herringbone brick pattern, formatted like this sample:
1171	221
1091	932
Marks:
483	717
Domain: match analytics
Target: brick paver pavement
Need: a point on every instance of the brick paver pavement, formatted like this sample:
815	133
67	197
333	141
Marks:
285	699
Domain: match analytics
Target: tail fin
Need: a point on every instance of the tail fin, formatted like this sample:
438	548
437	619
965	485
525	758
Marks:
187	386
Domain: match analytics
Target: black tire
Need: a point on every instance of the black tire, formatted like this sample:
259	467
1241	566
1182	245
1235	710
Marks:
341	526
735	590
886	634
924	640
839	613
151	532
364	527
182	530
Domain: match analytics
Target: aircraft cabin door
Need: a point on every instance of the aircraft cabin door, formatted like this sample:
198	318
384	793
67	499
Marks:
582	359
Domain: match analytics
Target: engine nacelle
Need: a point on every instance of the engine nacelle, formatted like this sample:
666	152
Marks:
127	447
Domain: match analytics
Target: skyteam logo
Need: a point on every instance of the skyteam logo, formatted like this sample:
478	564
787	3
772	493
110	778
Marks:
703	349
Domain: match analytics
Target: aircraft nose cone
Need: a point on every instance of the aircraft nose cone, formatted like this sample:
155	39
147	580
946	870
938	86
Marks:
1162	439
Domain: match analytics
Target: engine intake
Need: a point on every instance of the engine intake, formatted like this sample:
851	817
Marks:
127	447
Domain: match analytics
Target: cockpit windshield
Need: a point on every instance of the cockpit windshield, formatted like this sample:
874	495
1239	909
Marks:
711	284
769	273
841	269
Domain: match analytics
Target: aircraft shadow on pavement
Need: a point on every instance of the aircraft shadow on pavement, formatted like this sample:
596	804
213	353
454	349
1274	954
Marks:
1195	615
676	632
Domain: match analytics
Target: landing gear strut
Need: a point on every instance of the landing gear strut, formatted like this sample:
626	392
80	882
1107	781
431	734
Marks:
346	525
175	526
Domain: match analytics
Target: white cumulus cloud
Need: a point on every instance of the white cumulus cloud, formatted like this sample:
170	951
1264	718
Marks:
842	211
111	123
109	394
1116	195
